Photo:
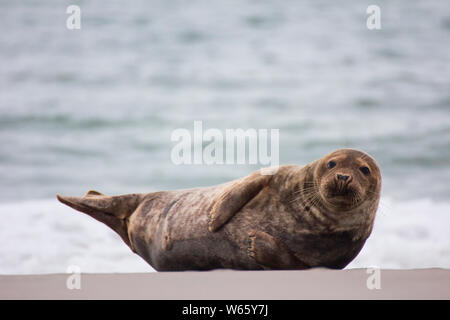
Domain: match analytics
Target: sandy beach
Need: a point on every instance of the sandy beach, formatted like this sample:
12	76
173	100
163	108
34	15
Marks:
227	284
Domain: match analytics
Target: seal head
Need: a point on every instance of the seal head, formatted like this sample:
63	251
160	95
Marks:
346	179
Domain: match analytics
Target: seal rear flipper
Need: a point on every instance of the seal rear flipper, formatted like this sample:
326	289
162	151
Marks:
111	210
236	196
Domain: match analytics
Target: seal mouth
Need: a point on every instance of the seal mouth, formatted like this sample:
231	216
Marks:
339	189
342	195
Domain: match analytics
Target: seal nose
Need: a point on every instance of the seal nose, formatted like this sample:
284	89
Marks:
342	177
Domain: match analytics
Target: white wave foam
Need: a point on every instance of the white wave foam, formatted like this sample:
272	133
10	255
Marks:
46	237
408	234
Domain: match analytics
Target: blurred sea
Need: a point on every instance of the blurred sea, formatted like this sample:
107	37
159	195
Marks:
94	109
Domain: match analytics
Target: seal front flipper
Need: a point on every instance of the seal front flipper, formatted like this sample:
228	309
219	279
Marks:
234	197
272	253
111	210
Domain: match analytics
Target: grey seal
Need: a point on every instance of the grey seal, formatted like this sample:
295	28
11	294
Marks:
316	215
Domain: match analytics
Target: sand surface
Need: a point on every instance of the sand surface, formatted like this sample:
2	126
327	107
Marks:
227	284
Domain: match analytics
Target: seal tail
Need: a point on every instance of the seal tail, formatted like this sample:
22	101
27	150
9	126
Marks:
113	211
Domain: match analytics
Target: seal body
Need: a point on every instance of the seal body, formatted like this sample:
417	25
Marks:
318	215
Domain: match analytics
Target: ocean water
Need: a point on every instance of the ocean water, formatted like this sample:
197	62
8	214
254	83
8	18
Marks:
95	108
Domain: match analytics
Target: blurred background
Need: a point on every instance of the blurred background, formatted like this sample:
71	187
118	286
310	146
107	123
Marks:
95	108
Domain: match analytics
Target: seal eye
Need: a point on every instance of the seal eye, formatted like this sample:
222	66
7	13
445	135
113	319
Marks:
331	164
365	170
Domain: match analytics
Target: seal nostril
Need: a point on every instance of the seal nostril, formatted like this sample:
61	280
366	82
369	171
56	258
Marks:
342	177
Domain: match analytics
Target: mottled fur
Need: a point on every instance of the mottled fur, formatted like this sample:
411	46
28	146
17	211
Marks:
294	219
